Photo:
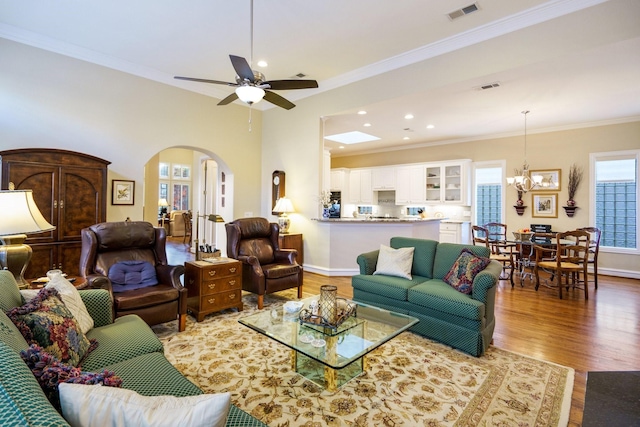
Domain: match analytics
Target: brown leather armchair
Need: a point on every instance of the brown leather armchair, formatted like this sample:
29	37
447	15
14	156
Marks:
108	243
265	267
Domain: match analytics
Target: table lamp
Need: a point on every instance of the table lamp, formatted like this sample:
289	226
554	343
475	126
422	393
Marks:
283	207
19	216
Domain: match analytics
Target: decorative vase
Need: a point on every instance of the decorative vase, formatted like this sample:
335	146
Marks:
329	303
571	202
325	213
519	202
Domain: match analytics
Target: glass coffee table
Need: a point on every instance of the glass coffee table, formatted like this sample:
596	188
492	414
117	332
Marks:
330	358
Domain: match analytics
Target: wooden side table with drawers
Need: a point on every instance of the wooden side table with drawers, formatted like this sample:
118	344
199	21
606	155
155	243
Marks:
213	286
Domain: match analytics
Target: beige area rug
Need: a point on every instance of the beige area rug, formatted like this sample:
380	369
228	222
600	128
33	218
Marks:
411	380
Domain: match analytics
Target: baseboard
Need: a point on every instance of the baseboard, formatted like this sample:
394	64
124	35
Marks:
629	274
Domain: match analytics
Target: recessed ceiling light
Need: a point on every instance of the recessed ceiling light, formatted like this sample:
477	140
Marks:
262	64
406	138
341	147
353	137
408	116
430	126
367	125
362	112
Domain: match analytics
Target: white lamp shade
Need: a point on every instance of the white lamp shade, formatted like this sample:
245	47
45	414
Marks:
163	202
283	205
250	94
19	214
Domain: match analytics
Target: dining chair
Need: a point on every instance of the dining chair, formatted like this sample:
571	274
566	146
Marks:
569	258
500	251
594	247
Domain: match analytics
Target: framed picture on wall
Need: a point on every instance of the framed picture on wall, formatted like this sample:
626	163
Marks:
122	192
550	179
545	205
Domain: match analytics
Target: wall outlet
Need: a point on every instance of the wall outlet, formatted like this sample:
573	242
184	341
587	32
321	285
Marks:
248	214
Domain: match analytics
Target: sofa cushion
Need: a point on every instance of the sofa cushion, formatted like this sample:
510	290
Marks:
423	254
126	338
447	254
46	321
388	286
130	275
10	335
98	406
50	373
9	292
464	270
394	262
438	295
72	300
22	402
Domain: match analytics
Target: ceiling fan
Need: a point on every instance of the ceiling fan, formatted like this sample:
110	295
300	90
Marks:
252	86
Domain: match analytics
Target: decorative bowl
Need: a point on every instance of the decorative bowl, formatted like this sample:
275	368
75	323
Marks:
522	236
292	306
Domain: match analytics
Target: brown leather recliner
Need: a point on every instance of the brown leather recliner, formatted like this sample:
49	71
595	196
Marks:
108	243
265	267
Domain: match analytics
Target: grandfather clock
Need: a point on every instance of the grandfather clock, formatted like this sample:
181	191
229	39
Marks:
277	188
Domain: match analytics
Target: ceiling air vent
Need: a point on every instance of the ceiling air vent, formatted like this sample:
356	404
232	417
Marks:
464	11
488	86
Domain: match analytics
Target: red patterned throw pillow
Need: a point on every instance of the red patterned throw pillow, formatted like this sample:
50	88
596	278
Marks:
464	270
50	372
47	322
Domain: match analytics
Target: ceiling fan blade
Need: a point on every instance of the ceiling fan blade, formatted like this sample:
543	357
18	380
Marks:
276	99
292	84
242	68
193	79
229	99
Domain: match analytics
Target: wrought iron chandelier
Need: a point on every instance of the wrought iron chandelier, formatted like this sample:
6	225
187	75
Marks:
522	181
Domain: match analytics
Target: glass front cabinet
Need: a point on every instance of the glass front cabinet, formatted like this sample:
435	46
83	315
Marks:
448	183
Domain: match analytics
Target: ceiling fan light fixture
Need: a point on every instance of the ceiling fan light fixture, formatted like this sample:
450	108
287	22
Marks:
250	94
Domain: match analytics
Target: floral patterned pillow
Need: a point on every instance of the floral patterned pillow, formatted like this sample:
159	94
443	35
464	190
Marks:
464	270
50	372
47	322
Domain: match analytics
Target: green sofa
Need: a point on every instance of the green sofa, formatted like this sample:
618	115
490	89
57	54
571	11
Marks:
127	346
462	321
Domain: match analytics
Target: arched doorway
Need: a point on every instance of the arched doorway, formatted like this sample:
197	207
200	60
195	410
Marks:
190	178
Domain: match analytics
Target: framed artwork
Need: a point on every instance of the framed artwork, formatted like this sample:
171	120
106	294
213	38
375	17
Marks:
550	179
545	205
122	192
163	170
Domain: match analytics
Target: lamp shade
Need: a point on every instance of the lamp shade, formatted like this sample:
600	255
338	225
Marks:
250	94
283	205
163	203
19	214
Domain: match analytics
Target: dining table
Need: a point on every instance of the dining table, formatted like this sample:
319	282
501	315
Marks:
526	256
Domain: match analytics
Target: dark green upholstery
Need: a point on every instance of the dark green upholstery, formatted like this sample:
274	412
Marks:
462	321
127	346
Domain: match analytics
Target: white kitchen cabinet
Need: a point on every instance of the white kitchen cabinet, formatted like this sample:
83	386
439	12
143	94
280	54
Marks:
383	178
448	183
410	186
455	232
360	189
339	180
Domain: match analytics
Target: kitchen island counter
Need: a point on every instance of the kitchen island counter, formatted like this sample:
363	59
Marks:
349	237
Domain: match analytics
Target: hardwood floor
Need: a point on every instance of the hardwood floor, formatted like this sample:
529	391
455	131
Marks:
598	334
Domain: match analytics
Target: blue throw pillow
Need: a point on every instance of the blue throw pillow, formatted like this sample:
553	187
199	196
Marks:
129	275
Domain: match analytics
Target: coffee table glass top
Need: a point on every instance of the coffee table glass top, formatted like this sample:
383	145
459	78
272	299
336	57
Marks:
357	336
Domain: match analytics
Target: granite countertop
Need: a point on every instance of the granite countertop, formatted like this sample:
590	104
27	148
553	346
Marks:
456	221
376	220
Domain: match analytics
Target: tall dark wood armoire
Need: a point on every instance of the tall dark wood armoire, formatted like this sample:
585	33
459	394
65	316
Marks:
70	190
